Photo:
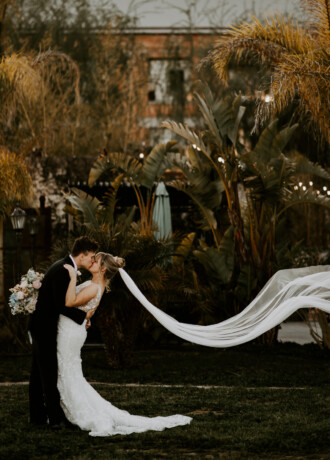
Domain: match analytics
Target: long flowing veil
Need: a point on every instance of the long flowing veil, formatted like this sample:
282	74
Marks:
287	291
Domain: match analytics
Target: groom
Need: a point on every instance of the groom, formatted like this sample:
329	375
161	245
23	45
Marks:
43	393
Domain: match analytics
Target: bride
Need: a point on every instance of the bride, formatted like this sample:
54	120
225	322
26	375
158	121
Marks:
81	403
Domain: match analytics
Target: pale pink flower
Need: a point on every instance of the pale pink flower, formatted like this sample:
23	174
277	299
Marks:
24	284
20	295
36	284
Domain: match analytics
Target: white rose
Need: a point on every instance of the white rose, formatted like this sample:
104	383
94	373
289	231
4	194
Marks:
20	295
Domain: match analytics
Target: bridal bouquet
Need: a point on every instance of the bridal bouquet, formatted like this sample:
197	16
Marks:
24	295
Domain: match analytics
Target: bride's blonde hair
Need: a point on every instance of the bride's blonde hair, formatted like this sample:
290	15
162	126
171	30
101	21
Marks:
111	264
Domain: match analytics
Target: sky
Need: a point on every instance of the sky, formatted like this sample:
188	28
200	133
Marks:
204	13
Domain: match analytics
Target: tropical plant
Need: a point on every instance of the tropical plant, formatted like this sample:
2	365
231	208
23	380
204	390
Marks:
219	144
259	187
297	58
138	175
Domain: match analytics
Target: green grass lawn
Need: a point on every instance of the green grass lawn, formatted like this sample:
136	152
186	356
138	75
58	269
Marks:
259	403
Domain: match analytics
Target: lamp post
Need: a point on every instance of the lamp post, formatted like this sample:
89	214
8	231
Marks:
18	218
33	230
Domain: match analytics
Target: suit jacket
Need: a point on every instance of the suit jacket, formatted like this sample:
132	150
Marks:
51	301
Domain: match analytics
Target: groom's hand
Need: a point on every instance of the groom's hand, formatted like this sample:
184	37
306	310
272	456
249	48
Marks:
89	314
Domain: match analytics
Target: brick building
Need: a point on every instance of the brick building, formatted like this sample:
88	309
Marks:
163	77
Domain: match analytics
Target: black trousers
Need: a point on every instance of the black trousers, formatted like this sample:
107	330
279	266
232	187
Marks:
43	393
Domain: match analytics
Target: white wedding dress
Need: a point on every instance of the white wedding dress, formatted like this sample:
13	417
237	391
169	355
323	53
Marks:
81	403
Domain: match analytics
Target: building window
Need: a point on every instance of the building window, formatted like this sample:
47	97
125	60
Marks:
168	81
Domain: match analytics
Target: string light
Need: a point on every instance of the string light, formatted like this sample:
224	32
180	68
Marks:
296	187
304	187
311	183
141	155
325	188
268	98
300	184
221	160
194	146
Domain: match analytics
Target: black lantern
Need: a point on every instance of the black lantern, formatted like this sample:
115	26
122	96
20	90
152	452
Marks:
18	219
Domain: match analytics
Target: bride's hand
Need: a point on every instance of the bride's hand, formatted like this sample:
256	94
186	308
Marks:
71	270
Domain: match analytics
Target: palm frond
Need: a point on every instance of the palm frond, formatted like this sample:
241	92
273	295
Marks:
303	165
270	144
209	119
87	207
110	200
297	57
266	42
208	221
202	185
184	249
186	133
296	197
119	162
154	166
319	17
218	263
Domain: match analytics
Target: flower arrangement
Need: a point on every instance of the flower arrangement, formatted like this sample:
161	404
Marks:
24	295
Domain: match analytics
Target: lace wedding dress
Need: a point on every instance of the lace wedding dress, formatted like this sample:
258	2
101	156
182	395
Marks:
81	403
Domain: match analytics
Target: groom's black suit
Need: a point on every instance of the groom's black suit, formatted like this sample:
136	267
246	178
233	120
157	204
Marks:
43	392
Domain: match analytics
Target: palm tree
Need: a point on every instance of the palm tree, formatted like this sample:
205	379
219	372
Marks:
297	58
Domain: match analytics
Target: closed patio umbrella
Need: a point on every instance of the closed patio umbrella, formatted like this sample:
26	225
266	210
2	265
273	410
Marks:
161	214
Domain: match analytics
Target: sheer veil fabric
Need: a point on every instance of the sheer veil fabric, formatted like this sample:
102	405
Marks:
286	292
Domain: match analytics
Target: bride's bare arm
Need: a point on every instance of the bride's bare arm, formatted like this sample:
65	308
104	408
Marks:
85	295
